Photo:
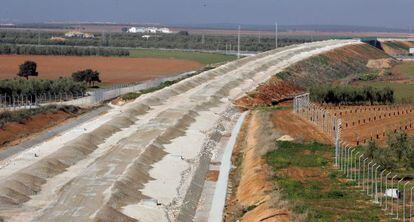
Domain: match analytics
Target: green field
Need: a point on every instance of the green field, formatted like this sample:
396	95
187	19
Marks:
201	57
315	190
406	69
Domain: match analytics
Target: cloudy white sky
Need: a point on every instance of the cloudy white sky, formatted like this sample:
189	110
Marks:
383	13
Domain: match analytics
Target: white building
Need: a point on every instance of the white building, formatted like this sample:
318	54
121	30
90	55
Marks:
165	30
76	34
152	30
411	51
136	30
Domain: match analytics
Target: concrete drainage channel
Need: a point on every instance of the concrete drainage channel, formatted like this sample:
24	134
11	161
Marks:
219	198
145	161
191	200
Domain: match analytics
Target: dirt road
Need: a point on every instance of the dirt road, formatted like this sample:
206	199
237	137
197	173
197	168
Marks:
137	161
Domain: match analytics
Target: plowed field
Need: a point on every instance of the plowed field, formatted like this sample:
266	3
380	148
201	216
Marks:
112	69
363	123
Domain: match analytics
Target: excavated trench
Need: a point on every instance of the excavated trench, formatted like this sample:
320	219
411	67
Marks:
141	162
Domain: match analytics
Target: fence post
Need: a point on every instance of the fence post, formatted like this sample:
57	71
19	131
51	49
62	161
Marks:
385	192
411	204
392	198
370	188
356	167
363	175
359	170
398	199
381	176
404	203
347	161
350	167
375	190
368	177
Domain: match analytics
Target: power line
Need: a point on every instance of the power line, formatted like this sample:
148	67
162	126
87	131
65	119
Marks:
238	44
276	35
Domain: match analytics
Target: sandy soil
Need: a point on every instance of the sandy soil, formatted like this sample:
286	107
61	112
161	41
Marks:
291	124
112	69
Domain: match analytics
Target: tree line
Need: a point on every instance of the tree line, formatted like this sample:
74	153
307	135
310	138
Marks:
349	95
61	50
169	41
36	87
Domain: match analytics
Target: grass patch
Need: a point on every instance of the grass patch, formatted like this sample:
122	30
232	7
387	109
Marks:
134	95
201	57
320	197
131	96
368	76
405	68
266	108
289	154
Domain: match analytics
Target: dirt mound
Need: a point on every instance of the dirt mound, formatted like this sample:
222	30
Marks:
332	65
381	63
272	92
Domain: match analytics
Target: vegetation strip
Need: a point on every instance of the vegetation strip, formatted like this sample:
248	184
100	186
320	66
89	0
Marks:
349	95
181	40
21	115
61	50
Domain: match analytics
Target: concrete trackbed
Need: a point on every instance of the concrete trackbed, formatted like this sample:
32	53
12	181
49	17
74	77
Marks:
137	162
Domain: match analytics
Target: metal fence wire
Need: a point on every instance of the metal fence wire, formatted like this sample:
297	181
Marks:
392	192
16	102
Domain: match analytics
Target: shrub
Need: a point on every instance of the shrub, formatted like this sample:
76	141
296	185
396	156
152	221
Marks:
336	194
88	76
348	95
368	76
399	152
28	68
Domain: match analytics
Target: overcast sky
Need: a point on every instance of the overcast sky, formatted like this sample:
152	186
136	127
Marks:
382	13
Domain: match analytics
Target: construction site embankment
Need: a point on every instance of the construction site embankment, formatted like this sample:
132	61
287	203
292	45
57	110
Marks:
138	161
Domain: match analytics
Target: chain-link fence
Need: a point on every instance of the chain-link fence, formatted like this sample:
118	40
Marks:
393	193
17	102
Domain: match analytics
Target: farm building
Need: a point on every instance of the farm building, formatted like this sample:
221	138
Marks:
76	34
149	30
